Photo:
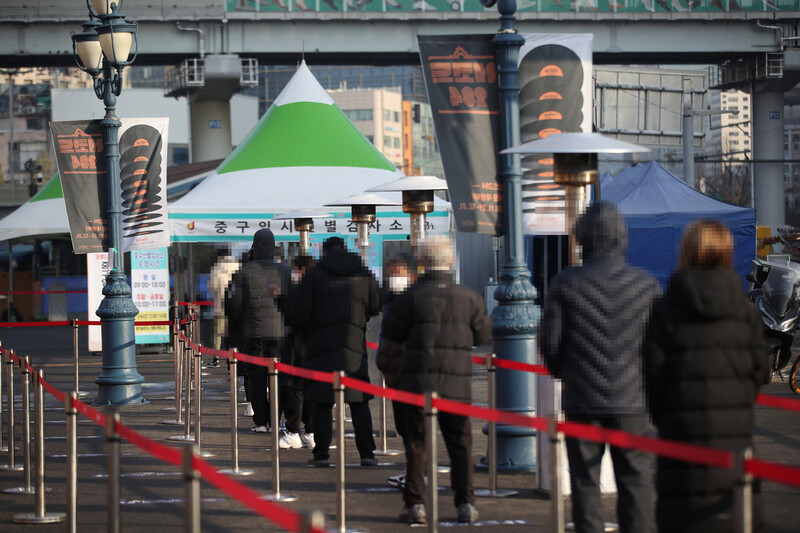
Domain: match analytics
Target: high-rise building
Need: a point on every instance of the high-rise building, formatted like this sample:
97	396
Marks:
730	135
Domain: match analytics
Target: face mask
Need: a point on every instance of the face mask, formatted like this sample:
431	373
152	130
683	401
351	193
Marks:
398	284
296	277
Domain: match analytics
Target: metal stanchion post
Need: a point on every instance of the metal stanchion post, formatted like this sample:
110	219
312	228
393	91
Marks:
234	469
556	497
433	468
175	328
743	493
178	356
312	520
198	387
76	379
492	491
338	395
3	447
382	405
187	391
40	516
276	495
191	486
12	463
72	463
113	440
26	430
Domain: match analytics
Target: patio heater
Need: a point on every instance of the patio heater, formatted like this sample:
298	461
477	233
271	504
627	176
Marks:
304	224
417	199
362	209
575	167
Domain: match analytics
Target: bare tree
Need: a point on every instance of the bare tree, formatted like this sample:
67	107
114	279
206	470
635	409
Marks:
728	182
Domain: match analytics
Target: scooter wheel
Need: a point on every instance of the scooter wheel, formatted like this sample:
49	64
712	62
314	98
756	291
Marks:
794	377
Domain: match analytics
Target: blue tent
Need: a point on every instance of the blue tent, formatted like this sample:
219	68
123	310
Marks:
657	206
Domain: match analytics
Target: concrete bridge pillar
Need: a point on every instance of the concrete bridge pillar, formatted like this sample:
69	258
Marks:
209	105
768	146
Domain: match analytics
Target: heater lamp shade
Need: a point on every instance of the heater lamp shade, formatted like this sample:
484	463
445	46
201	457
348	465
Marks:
575	143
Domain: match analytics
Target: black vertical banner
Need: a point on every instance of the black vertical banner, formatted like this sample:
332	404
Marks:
81	163
461	80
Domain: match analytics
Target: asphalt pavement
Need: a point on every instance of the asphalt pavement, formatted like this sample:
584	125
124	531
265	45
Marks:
152	492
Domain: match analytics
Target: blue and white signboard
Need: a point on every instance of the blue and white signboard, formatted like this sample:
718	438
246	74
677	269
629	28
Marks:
150	293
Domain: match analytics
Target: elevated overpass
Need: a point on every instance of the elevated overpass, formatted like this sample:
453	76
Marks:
384	31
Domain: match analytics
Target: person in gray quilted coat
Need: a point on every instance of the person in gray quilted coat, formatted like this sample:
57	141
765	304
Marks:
591	336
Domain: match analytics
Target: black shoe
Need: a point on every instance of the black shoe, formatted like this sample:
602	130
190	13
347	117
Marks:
319	463
413	514
214	363
369	461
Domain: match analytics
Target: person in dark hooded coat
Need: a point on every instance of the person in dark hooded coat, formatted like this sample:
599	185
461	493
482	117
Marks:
259	290
591	336
705	361
335	300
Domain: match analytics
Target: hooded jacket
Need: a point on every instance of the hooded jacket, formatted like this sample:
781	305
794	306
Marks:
259	288
333	303
221	274
705	361
594	319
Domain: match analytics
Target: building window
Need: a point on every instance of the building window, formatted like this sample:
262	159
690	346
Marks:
370	138
397	142
387	115
387	141
22	152
358	114
396	116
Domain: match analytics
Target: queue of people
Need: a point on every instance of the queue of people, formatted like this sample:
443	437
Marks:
688	361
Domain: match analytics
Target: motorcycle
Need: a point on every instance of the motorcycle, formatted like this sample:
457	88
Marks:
775	291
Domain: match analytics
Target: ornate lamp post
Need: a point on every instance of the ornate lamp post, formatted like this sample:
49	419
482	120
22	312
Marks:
304	224
102	49
417	199
515	317
362	209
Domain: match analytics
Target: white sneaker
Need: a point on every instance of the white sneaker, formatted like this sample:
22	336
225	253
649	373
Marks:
308	440
290	441
397	480
260	429
248	411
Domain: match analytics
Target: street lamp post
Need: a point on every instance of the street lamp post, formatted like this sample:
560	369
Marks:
516	316
102	49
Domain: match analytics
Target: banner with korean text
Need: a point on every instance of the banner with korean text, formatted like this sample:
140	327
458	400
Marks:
461	80
81	159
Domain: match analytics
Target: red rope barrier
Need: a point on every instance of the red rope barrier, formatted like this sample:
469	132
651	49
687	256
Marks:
776	401
492	415
214	352
690	453
392	394
788	475
89	412
34	324
372	345
57	394
316	375
195	303
167	454
508	364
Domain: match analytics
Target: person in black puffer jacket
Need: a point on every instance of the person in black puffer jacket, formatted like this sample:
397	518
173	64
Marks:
705	361
437	323
335	300
259	290
591	335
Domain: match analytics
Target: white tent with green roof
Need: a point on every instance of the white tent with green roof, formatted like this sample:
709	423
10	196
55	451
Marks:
303	153
42	216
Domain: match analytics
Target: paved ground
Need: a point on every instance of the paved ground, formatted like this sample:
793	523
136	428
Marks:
151	491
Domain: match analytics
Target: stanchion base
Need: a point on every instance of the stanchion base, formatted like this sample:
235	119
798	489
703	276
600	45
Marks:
182	438
169	398
286	498
239	472
20	490
173	422
388	452
168	408
46	518
498	493
206	455
3	448
82	393
15	467
607	527
443	469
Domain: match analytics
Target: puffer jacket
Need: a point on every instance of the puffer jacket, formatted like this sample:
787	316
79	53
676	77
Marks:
335	300
259	289
438	322
221	274
705	361
594	319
